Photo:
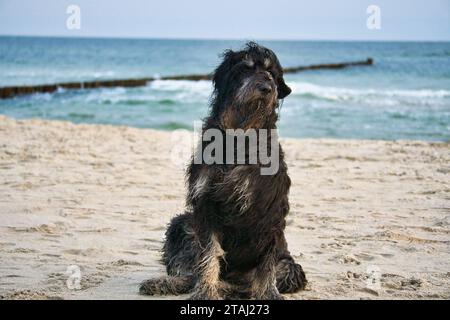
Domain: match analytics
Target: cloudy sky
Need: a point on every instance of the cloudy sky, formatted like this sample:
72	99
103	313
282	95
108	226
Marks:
230	19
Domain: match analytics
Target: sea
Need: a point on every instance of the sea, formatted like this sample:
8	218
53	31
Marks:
404	95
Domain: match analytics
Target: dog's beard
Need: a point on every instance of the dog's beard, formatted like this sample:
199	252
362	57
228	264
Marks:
250	110
256	114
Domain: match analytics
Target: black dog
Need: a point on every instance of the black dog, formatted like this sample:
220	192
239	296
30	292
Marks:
230	243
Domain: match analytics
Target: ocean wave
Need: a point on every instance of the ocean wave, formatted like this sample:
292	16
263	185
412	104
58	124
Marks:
80	116
313	91
445	53
201	86
167	102
38	96
101	74
179	92
162	92
107	95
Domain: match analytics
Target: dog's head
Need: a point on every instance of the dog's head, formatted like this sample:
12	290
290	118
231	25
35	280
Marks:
247	86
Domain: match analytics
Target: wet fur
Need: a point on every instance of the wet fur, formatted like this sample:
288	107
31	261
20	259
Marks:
230	243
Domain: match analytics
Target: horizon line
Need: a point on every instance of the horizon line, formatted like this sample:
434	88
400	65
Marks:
219	39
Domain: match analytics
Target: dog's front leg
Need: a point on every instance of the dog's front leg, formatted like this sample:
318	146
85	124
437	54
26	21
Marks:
208	271
264	284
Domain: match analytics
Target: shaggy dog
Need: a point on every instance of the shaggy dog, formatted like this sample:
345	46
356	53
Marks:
230	243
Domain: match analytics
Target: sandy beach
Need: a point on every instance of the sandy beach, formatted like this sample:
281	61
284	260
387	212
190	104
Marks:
369	219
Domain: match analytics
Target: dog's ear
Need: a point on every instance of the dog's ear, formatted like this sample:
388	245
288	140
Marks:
220	74
283	89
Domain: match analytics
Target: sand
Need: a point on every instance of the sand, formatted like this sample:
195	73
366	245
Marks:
368	220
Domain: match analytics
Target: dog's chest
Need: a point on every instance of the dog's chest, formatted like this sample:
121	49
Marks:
244	192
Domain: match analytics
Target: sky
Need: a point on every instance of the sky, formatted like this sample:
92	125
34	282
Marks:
230	19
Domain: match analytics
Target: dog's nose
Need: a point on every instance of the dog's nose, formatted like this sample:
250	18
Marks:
265	88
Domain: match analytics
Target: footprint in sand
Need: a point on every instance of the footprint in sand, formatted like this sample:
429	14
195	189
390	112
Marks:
364	256
122	262
397	282
90	252
45	229
350	259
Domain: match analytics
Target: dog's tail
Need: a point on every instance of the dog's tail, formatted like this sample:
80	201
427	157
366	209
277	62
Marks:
172	285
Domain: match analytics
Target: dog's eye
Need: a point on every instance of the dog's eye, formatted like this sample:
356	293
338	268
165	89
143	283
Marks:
248	62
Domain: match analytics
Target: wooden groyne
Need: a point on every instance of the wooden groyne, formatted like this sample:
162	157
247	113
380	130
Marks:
12	91
367	62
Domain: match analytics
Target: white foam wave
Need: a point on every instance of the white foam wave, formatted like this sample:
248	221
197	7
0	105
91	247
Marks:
198	92
106	94
183	90
202	86
177	90
348	94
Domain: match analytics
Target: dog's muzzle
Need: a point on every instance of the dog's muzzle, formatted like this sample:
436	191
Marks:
264	88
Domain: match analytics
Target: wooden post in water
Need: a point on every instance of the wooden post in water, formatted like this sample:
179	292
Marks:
12	91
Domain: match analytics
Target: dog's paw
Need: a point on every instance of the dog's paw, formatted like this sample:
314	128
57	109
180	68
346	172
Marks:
167	285
150	287
290	277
